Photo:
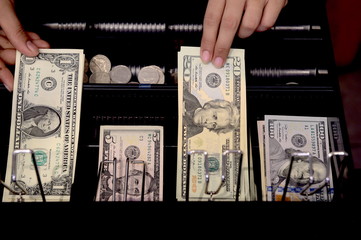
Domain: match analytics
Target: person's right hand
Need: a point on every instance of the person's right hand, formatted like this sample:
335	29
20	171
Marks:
224	19
13	37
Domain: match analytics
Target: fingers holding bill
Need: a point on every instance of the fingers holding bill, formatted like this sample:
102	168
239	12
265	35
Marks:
224	19
211	23
220	24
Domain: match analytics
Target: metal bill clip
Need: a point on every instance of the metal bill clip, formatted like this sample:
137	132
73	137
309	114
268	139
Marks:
205	153
223	176
305	191
101	171
128	162
343	165
341	170
207	172
313	178
12	190
19	188
293	156
326	181
224	173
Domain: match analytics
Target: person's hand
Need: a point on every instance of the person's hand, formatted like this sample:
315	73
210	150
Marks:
13	37
226	18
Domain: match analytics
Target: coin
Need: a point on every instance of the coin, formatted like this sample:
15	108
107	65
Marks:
148	75
120	74
100	63
99	77
160	73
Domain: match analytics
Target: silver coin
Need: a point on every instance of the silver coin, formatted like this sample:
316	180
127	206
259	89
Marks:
148	75
100	63
99	77
120	74
160	73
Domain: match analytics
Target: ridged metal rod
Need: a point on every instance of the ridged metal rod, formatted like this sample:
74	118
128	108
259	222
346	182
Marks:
156	27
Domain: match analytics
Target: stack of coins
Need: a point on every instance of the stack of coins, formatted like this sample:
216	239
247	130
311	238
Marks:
120	74
102	72
100	66
151	75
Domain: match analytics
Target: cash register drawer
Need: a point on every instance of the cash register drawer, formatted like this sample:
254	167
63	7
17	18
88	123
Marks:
268	90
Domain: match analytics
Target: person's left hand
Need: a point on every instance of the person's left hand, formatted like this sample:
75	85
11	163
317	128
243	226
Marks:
13	37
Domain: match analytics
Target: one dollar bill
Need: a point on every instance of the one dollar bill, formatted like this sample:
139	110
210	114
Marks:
45	119
212	119
305	141
130	163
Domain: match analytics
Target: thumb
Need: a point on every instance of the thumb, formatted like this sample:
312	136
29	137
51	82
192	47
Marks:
14	31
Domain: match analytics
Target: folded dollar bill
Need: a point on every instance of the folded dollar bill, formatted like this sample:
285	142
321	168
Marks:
45	119
130	163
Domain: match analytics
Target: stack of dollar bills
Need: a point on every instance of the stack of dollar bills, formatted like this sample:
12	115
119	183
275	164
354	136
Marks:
294	157
45	120
212	129
130	163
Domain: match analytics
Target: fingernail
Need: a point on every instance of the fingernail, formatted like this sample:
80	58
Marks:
31	46
261	29
206	56
8	87
218	62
